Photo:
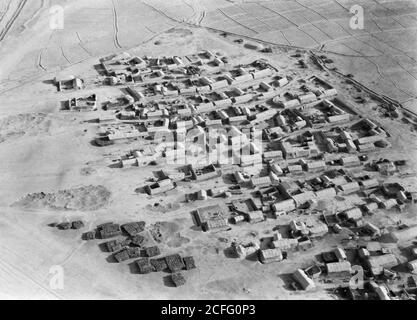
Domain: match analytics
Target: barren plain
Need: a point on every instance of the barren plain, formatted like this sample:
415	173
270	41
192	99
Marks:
51	171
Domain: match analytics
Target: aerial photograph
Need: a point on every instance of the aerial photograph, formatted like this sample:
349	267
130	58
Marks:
208	150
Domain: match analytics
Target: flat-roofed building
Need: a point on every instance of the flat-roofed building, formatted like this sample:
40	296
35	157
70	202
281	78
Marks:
265	86
382	293
255	216
262	73
275	168
353	214
318	230
350	161
329	93
265	115
205	107
223	115
260	182
338	269
389	204
371	207
350	187
242	99
303	280
219	84
243	78
369	139
282	81
285	205
270	255
285	244
223	103
159	187
295	169
290	104
275	154
307	98
366	147
412	265
214	122
378	263
339	118
370	183
316	166
404	234
340	254
303	197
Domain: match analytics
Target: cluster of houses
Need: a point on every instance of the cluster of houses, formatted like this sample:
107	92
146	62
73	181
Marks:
68	83
202	90
127	241
378	269
77	224
290	147
88	103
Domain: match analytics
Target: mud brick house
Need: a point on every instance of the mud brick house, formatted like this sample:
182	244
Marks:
338	269
303	280
137	240
270	255
213	212
178	279
160	187
152	251
77	224
174	262
144	266
64	226
189	263
113	246
158	264
109	230
121	256
133	252
133	228
91	235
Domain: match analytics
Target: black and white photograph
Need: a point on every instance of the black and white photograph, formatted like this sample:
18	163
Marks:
208	150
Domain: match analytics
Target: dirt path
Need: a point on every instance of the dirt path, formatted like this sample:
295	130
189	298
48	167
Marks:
5	11
115	27
15	273
10	23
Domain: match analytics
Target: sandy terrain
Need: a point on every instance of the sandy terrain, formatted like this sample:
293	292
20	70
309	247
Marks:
43	150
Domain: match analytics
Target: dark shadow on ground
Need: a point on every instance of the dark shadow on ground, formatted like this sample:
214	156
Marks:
111	259
168	282
116	165
252	257
133	268
230	253
99	69
140	190
288	281
103	247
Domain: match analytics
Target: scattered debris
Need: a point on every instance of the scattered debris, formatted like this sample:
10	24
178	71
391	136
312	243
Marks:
82	198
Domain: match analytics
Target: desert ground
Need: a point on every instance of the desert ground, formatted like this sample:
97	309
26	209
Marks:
45	150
